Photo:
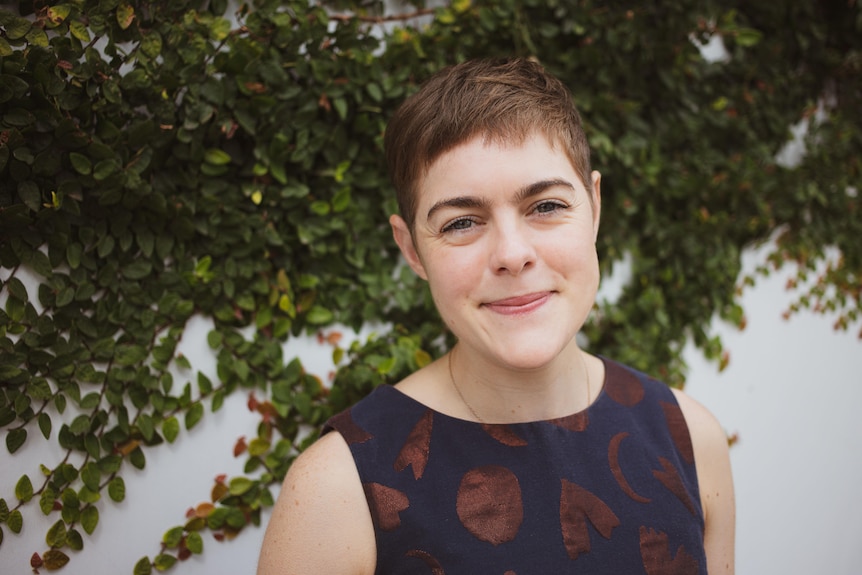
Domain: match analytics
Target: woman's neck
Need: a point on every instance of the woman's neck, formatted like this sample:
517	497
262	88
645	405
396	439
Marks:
498	394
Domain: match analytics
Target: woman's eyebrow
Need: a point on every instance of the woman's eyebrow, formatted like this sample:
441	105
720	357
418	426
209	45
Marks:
524	193
537	188
457	202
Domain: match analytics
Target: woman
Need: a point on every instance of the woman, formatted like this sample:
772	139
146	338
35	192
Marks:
517	452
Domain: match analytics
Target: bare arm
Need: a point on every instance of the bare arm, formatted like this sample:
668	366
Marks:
712	459
320	523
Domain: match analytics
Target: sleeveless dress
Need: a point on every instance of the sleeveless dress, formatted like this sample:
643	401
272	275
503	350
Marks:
609	490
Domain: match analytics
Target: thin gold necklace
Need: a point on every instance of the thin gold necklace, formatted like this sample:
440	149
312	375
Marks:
473	411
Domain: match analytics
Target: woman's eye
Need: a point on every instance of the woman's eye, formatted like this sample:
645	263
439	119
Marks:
458	225
547	207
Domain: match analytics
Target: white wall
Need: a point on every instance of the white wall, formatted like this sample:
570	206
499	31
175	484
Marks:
791	393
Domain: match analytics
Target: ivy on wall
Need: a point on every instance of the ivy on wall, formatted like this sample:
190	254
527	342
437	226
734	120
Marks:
166	160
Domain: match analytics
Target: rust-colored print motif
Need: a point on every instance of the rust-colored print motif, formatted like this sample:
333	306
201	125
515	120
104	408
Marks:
417	447
623	386
678	430
655	552
575	422
670	478
504	434
385	504
614	462
433	564
343	423
489	504
576	506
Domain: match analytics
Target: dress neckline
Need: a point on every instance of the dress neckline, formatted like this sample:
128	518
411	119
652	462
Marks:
562	421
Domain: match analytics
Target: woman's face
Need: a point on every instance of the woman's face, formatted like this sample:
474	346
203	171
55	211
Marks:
505	236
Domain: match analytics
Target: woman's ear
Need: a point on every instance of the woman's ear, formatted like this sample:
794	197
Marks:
404	239
597	202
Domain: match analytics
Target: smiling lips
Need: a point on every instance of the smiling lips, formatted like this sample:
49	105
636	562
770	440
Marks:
519	304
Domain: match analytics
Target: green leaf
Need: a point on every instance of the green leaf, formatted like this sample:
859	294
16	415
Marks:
163	561
318	316
89	519
70	498
17	28
340	105
91	445
31	196
216	157
125	15
16	288
56	536
146	426
194	415
374	91
137	458
138	269
15	521
171	429
54	559
258	447
105	169
74	540
195	543
80	163
15	439
46	500
117	489
748	37
172	537
79	30
214	339
204	384
240	485
56	14
91	475
87	495
151	44
128	355
24	489
105	246
143	566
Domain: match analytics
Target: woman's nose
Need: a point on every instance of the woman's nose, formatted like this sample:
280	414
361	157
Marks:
512	251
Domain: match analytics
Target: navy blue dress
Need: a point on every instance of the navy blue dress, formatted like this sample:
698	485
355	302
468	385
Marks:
609	490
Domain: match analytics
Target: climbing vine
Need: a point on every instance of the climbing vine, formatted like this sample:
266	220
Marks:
161	161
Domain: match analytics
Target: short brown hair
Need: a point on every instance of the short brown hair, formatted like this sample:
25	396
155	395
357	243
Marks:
504	100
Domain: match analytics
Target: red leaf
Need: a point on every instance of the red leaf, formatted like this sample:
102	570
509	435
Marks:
184	553
240	447
204	510
36	561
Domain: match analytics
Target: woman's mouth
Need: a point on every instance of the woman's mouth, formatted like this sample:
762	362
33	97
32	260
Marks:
518	304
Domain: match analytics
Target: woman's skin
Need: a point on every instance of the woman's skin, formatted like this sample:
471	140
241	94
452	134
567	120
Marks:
505	236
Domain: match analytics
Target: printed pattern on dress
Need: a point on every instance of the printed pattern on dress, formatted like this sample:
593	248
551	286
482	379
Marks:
608	490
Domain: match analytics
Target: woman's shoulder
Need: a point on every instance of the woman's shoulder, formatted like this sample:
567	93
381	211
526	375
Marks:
321	505
712	458
705	429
